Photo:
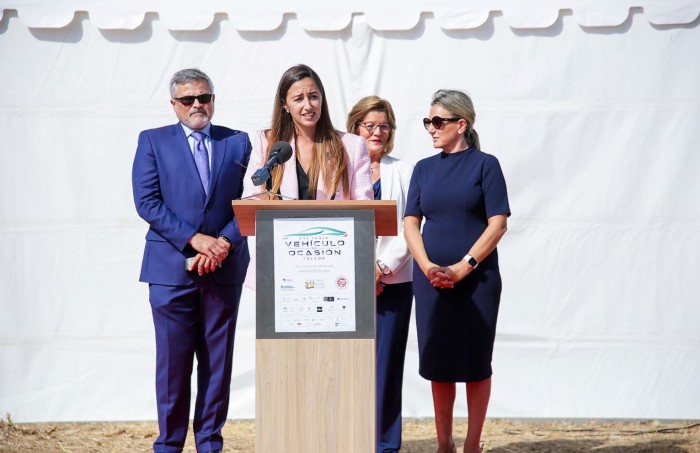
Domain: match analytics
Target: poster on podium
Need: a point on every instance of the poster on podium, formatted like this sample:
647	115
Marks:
314	274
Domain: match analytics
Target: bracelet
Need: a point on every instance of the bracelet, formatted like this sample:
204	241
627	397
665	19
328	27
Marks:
383	268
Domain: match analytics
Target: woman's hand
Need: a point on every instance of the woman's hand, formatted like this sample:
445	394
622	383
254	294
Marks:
440	277
379	288
446	277
459	270
378	285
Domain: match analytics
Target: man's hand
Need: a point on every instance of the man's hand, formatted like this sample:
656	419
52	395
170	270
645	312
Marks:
203	264
211	247
227	245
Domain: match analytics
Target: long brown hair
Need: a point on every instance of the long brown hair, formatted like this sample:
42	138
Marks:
329	152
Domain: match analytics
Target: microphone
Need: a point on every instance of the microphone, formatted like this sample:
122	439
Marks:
280	153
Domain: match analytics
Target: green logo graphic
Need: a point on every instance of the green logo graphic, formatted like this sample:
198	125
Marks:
318	231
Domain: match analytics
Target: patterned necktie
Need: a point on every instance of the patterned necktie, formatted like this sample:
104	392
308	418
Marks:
201	158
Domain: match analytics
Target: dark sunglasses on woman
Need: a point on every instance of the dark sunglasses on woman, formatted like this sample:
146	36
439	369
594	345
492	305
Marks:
437	121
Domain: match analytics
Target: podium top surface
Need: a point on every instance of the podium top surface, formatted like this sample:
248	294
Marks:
384	211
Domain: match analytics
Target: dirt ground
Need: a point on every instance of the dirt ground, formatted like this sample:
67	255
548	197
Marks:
500	436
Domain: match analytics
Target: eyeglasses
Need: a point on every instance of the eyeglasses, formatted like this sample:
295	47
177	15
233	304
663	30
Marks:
437	122
189	100
383	128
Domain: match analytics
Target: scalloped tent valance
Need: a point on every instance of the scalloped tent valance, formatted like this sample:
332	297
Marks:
334	16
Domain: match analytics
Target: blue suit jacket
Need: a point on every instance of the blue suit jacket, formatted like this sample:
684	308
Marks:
169	196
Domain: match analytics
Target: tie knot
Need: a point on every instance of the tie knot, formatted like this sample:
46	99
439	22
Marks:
198	135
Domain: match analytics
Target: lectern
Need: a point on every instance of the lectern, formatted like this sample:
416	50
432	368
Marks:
315	311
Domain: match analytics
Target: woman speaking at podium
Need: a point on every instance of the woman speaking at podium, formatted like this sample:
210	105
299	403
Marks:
326	164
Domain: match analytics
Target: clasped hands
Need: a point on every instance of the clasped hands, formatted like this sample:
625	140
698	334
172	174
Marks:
378	285
447	276
211	252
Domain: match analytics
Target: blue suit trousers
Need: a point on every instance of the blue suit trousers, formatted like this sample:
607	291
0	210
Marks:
199	321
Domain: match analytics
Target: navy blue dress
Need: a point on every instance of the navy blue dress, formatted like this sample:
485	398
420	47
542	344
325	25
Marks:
456	327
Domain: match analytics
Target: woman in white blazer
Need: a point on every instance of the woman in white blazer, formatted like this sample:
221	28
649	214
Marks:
373	119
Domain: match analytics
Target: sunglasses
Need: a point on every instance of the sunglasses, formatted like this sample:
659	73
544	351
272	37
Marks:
437	122
189	100
383	127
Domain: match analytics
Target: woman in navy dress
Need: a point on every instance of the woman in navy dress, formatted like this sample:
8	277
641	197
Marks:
461	195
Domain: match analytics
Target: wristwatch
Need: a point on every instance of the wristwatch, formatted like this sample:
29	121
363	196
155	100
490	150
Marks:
471	261
383	268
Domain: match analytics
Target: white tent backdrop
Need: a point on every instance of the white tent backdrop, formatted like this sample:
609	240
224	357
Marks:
593	110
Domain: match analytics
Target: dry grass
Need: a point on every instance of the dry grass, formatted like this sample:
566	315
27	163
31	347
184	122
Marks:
500	436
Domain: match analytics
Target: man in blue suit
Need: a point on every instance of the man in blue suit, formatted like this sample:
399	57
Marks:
184	178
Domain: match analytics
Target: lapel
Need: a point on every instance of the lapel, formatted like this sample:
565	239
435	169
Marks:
386	170
183	153
218	153
290	183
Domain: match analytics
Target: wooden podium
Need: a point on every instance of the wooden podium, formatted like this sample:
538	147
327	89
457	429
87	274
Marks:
315	390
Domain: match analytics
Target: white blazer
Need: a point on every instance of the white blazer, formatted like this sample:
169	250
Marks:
393	250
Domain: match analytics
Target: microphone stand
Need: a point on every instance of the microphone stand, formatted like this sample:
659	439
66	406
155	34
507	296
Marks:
268	192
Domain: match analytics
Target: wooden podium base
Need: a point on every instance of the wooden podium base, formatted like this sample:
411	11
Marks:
315	390
312	395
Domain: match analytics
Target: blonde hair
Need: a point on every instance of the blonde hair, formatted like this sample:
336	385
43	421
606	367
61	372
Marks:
461	105
372	104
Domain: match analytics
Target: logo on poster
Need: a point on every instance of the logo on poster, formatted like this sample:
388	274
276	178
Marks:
341	282
318	231
316	242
